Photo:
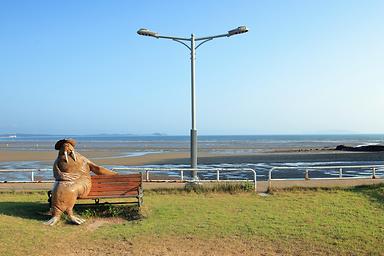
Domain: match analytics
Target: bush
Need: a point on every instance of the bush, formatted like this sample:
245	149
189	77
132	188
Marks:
127	212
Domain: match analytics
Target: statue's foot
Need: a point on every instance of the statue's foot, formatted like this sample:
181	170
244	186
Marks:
76	220
52	221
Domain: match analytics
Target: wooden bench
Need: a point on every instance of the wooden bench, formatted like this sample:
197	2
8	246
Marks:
114	186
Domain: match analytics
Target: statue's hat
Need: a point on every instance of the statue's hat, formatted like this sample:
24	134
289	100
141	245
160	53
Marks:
62	142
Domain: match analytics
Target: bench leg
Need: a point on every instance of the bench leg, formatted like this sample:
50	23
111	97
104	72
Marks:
139	201
49	198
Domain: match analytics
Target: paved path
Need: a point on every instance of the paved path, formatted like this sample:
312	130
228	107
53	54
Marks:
262	186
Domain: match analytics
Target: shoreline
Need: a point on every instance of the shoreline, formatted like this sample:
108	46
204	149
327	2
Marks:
278	156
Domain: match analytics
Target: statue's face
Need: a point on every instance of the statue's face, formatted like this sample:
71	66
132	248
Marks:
67	149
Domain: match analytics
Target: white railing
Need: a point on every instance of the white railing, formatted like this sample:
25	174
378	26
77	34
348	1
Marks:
218	171
31	171
308	169
146	172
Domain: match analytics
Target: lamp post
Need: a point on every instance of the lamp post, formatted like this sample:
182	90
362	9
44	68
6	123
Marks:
192	47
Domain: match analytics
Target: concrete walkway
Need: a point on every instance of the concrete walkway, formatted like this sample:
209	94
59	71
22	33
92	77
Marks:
262	186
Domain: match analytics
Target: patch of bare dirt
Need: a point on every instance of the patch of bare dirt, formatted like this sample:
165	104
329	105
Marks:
155	246
95	223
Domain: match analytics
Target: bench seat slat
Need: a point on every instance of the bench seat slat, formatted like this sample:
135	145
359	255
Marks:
116	177
134	191
113	193
116	193
120	184
116	182
117	187
107	197
106	183
110	189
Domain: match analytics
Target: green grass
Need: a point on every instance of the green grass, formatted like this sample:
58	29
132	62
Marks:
299	221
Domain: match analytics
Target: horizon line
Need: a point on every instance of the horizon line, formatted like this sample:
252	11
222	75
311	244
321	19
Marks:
186	135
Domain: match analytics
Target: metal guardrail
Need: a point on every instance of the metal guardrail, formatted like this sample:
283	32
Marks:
146	172
31	171
307	170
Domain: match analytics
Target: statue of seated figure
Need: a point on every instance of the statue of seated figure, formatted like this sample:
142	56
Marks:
72	180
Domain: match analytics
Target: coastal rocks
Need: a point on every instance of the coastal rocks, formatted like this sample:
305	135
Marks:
365	148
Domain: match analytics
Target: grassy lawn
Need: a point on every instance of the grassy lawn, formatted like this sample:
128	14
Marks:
295	222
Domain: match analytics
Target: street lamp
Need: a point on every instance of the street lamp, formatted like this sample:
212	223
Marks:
192	48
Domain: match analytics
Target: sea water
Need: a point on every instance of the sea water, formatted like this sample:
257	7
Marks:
131	145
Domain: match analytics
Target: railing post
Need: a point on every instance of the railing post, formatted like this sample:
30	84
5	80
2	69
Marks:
141	172
306	176
147	175
373	173
182	174
255	179
270	179
32	176
340	173
218	175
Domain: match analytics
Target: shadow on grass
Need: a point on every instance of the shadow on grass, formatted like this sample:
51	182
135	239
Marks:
26	210
38	211
374	192
127	212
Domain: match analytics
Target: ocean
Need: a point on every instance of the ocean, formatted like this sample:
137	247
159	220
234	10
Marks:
212	143
132	145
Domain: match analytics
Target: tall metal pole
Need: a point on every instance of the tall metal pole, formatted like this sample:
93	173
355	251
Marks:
193	112
192	48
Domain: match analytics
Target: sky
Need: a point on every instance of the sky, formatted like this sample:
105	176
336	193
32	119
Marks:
304	67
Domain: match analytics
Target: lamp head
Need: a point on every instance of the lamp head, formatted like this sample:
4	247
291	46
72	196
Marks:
239	30
146	32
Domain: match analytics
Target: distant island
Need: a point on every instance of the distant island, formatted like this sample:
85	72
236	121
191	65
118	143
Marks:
14	135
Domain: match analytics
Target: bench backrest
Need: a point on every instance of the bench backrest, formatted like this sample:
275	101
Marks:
115	185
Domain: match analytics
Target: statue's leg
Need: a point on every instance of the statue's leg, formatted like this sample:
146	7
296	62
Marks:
63	197
81	188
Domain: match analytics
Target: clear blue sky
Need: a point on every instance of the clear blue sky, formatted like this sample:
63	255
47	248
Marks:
78	67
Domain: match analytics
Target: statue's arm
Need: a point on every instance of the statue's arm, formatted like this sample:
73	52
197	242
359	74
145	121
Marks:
99	170
56	171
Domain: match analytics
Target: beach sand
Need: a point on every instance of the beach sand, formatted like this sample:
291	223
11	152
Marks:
99	157
114	158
